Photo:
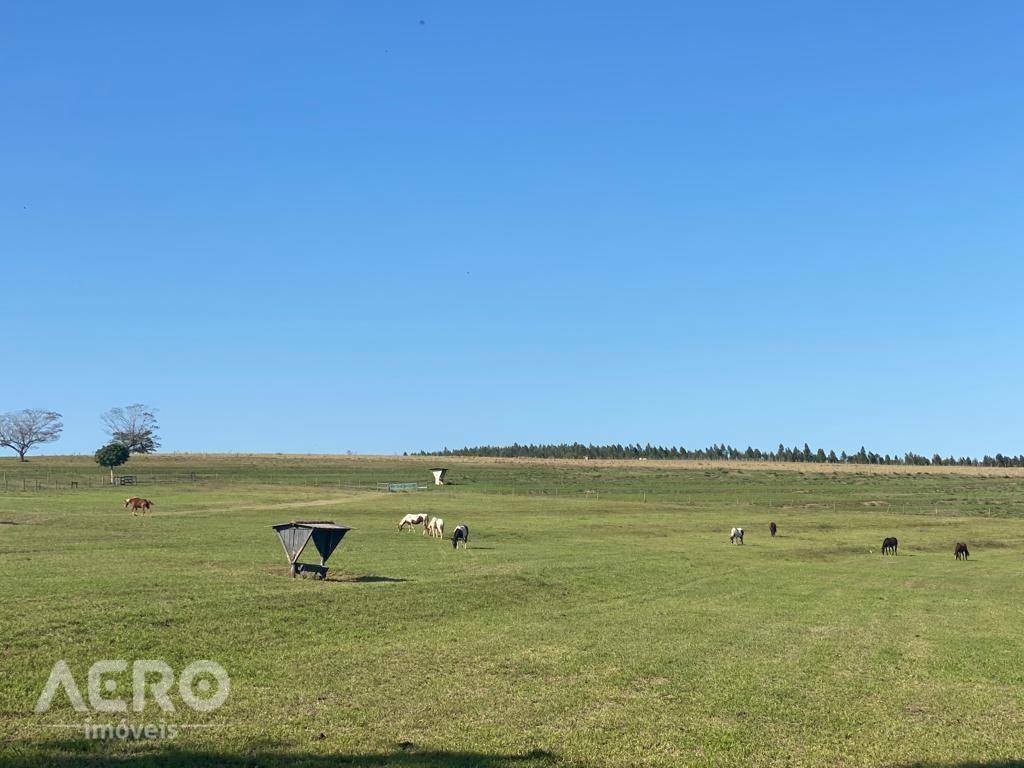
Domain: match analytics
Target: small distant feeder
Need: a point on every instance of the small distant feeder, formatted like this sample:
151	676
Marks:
295	536
439	474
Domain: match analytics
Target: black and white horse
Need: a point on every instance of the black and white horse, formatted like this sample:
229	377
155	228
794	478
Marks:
890	545
960	551
736	536
461	536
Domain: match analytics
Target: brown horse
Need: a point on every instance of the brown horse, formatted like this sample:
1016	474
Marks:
960	551
136	504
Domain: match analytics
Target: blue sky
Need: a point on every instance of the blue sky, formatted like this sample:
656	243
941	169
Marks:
328	226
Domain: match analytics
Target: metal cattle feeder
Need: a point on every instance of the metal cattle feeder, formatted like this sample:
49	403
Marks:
295	536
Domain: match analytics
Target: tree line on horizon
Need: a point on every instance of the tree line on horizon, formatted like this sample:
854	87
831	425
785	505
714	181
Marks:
722	452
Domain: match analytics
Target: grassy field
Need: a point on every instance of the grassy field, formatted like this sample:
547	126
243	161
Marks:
599	618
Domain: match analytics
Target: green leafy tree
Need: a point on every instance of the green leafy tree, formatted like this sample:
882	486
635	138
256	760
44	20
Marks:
112	455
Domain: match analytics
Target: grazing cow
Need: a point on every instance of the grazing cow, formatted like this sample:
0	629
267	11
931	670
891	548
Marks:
960	551
890	546
773	528
461	536
736	536
435	528
135	503
411	520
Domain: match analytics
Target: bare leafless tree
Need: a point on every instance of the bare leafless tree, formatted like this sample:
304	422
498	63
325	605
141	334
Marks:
134	426
20	430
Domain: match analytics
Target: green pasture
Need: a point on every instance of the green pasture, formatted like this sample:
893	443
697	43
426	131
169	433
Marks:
600	616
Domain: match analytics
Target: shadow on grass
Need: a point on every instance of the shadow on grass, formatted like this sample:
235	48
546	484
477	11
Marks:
369	579
65	754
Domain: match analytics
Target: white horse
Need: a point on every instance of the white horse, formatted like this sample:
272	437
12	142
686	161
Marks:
736	535
411	520
435	528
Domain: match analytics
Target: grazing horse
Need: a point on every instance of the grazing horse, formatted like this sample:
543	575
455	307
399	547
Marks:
960	551
461	536
736	536
411	520
890	546
773	528
136	504
435	528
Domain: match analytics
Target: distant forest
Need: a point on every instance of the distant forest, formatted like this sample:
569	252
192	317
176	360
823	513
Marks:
723	452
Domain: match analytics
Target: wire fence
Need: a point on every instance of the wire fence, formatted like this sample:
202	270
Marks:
707	498
54	481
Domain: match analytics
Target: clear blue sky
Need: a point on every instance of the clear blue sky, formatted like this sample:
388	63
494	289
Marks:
322	226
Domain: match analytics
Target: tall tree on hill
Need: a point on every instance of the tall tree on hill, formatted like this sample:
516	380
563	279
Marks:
133	426
21	430
112	455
